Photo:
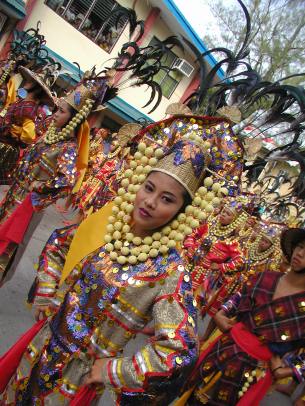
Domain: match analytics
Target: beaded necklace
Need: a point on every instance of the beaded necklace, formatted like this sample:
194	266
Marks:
217	230
256	256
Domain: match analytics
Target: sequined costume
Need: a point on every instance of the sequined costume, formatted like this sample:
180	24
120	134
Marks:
50	265
104	174
203	249
100	186
269	320
45	173
17	129
105	306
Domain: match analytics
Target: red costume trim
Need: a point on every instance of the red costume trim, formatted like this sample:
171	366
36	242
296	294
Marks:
14	228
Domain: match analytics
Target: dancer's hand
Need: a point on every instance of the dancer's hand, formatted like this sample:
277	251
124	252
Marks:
223	322
41	312
34	185
214	266
278	369
149	331
95	375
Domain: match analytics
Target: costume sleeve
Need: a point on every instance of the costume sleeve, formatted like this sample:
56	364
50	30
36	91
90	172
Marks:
50	265
193	241
296	361
61	176
242	301
231	305
25	133
171	351
235	263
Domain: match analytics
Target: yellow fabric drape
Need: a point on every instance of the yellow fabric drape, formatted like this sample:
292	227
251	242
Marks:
83	153
11	93
25	133
89	237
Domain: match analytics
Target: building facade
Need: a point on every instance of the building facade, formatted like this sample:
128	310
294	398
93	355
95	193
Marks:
83	31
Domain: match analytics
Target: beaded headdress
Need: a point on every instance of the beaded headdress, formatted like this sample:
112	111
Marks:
30	76
226	152
243	203
271	231
185	163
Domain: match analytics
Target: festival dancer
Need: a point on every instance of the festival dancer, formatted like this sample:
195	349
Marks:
17	125
212	131
108	166
239	366
263	252
99	187
215	254
112	290
22	112
48	171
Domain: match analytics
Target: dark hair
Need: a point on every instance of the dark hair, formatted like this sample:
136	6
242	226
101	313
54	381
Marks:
187	200
72	110
37	91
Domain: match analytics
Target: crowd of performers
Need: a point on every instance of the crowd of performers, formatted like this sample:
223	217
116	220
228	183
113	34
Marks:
163	240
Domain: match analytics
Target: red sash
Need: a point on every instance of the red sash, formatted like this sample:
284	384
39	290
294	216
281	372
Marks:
84	396
14	228
251	345
9	362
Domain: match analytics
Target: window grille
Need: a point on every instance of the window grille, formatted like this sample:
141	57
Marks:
91	18
167	80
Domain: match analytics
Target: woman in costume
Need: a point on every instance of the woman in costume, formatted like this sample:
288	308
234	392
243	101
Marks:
17	124
48	171
263	251
22	112
239	366
124	274
108	166
99	187
215	255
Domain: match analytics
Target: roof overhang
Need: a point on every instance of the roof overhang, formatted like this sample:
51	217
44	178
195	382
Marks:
13	8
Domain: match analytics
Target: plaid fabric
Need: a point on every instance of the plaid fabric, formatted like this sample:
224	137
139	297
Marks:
278	322
234	364
16	113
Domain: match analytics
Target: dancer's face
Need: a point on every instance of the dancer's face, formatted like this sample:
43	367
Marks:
157	202
226	216
298	257
264	244
63	114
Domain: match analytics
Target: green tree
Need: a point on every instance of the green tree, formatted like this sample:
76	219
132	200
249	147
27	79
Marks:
277	36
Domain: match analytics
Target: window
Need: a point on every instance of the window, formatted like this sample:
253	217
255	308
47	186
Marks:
167	80
91	18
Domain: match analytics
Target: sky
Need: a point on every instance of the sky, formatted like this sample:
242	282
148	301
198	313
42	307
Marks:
198	14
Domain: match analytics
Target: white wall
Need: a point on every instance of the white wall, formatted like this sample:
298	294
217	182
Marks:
71	45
